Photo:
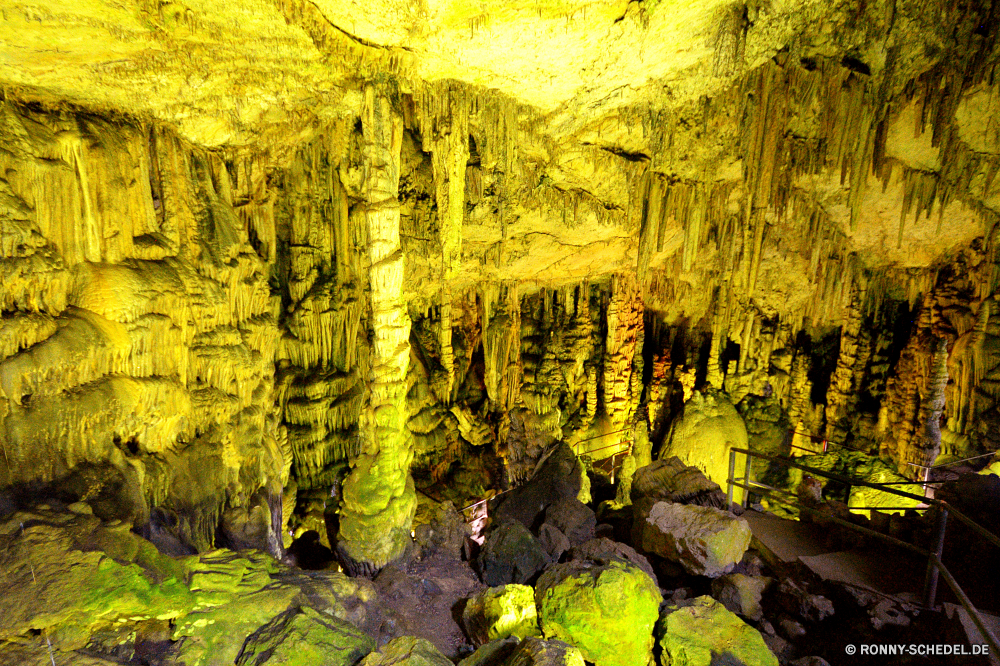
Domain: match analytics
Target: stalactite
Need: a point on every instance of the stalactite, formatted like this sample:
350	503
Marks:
720	327
444	126
155	325
324	315
624	326
800	404
841	396
501	319
658	392
904	391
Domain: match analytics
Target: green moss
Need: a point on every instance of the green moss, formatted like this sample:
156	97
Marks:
215	635
305	637
407	651
703	632
499	612
607	612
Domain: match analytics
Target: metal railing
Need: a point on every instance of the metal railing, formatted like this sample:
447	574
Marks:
934	564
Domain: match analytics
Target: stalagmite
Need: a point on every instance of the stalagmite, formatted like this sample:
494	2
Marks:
624	338
844	383
379	496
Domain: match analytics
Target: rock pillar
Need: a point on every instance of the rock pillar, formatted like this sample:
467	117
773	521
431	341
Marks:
379	496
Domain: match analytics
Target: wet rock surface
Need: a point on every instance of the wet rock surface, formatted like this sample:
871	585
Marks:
671	480
741	594
557	479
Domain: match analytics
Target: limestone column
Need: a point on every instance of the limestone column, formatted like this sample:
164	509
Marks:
379	496
450	155
928	443
842	394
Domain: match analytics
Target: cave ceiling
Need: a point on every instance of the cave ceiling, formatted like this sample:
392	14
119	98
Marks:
601	93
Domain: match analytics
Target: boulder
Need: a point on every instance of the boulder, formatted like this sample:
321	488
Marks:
888	612
670	480
493	653
559	476
603	551
704	540
405	651
707	429
794	598
573	518
536	652
445	533
67	573
511	554
855	465
779	647
792	629
72	577
607	611
553	541
499	612
701	632
305	636
741	594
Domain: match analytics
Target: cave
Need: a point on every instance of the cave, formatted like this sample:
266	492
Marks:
514	333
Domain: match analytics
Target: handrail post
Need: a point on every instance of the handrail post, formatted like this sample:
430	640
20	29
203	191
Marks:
732	478
746	482
931	579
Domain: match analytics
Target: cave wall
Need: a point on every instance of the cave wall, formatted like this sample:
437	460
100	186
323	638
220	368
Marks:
214	309
138	330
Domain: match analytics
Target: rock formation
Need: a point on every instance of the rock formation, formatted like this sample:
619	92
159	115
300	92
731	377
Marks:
267	267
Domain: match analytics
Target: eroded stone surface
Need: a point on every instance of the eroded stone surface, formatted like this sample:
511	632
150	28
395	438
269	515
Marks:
499	612
704	540
702	631
607	611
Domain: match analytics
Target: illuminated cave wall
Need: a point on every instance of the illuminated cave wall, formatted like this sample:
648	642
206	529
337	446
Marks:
807	225
139	328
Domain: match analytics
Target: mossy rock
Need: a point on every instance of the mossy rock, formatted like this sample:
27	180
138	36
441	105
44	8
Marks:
214	636
305	637
536	652
511	554
53	583
407	651
492	654
607	611
701	632
499	612
853	465
704	540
